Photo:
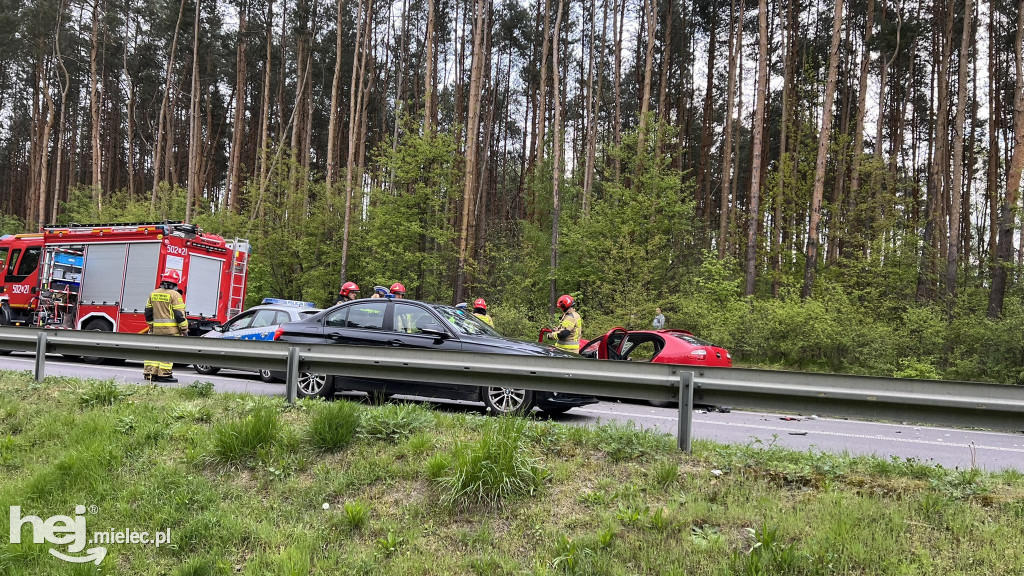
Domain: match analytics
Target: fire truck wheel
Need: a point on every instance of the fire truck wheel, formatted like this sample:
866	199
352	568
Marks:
5	320
100	326
204	369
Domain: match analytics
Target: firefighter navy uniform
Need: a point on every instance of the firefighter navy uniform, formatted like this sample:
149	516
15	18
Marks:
165	314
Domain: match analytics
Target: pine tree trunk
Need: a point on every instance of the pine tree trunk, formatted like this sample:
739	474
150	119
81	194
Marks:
556	162
264	145
666	62
238	123
995	112
1004	247
94	105
195	129
938	176
952	260
428	76
542	96
821	164
778	225
65	85
617	24
472	143
162	120
359	55
707	124
754	217
651	12
723	213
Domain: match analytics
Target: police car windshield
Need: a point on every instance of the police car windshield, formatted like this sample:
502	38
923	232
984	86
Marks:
464	322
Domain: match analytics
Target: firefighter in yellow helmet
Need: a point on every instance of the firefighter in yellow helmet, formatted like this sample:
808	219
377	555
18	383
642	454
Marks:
165	314
570	328
480	311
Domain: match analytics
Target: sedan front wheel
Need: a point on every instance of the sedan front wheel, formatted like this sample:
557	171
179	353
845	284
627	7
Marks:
500	401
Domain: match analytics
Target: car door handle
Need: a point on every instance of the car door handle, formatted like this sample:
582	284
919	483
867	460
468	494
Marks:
395	342
334	337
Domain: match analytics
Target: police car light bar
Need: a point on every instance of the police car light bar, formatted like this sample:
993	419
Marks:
283	302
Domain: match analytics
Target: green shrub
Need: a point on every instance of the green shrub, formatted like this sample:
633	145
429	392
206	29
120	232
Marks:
101	393
393	422
197	390
626	442
492	469
665	473
242	438
333	425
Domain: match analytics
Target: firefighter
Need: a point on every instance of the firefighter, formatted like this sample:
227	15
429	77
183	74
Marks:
349	291
165	314
570	328
398	290
480	311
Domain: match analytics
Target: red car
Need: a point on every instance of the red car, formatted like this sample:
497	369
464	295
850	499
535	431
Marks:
661	346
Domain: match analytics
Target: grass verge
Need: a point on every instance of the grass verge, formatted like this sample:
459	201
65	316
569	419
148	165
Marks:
251	486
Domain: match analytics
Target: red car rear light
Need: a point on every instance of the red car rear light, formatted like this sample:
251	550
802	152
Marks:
279	332
699	354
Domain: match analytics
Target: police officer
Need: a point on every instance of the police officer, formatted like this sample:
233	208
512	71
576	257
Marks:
165	314
480	311
570	328
349	291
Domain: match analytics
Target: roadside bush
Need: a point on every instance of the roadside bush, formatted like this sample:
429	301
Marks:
393	422
333	425
242	438
197	390
492	469
101	393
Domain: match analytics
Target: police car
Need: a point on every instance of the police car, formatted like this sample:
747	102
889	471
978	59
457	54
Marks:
259	323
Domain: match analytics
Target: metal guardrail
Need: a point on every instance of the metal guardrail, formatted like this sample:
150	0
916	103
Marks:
963	404
657	382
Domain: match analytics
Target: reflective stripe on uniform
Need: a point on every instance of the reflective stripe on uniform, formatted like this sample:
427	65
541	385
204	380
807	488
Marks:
165	324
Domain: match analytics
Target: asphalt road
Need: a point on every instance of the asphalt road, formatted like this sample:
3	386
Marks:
946	446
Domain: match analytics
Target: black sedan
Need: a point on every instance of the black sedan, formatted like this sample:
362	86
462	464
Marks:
412	324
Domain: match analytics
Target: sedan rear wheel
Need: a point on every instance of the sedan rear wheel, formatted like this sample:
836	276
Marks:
315	385
502	401
268	376
205	369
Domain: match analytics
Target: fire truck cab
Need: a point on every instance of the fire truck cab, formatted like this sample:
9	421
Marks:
99	277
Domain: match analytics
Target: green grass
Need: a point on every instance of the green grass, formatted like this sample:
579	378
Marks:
333	425
239	439
242	487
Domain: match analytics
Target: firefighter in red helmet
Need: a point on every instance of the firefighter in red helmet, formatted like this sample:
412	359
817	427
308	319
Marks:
165	315
570	328
398	289
480	311
349	291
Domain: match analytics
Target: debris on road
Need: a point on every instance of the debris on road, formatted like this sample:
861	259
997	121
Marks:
724	409
700	411
813	417
798	433
789	419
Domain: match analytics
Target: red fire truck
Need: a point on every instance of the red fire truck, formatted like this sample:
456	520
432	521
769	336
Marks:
99	276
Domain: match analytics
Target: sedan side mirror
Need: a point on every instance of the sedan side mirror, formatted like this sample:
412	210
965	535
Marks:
218	328
436	331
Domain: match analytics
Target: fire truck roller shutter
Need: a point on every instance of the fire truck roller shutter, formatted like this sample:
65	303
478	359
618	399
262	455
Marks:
141	278
203	288
103	276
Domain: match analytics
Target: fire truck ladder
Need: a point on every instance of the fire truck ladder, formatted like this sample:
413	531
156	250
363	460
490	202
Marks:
239	268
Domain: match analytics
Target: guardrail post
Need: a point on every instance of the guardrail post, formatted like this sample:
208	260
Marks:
685	411
292	379
40	356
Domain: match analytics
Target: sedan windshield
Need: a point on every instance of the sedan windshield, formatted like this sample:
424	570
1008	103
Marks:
463	322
